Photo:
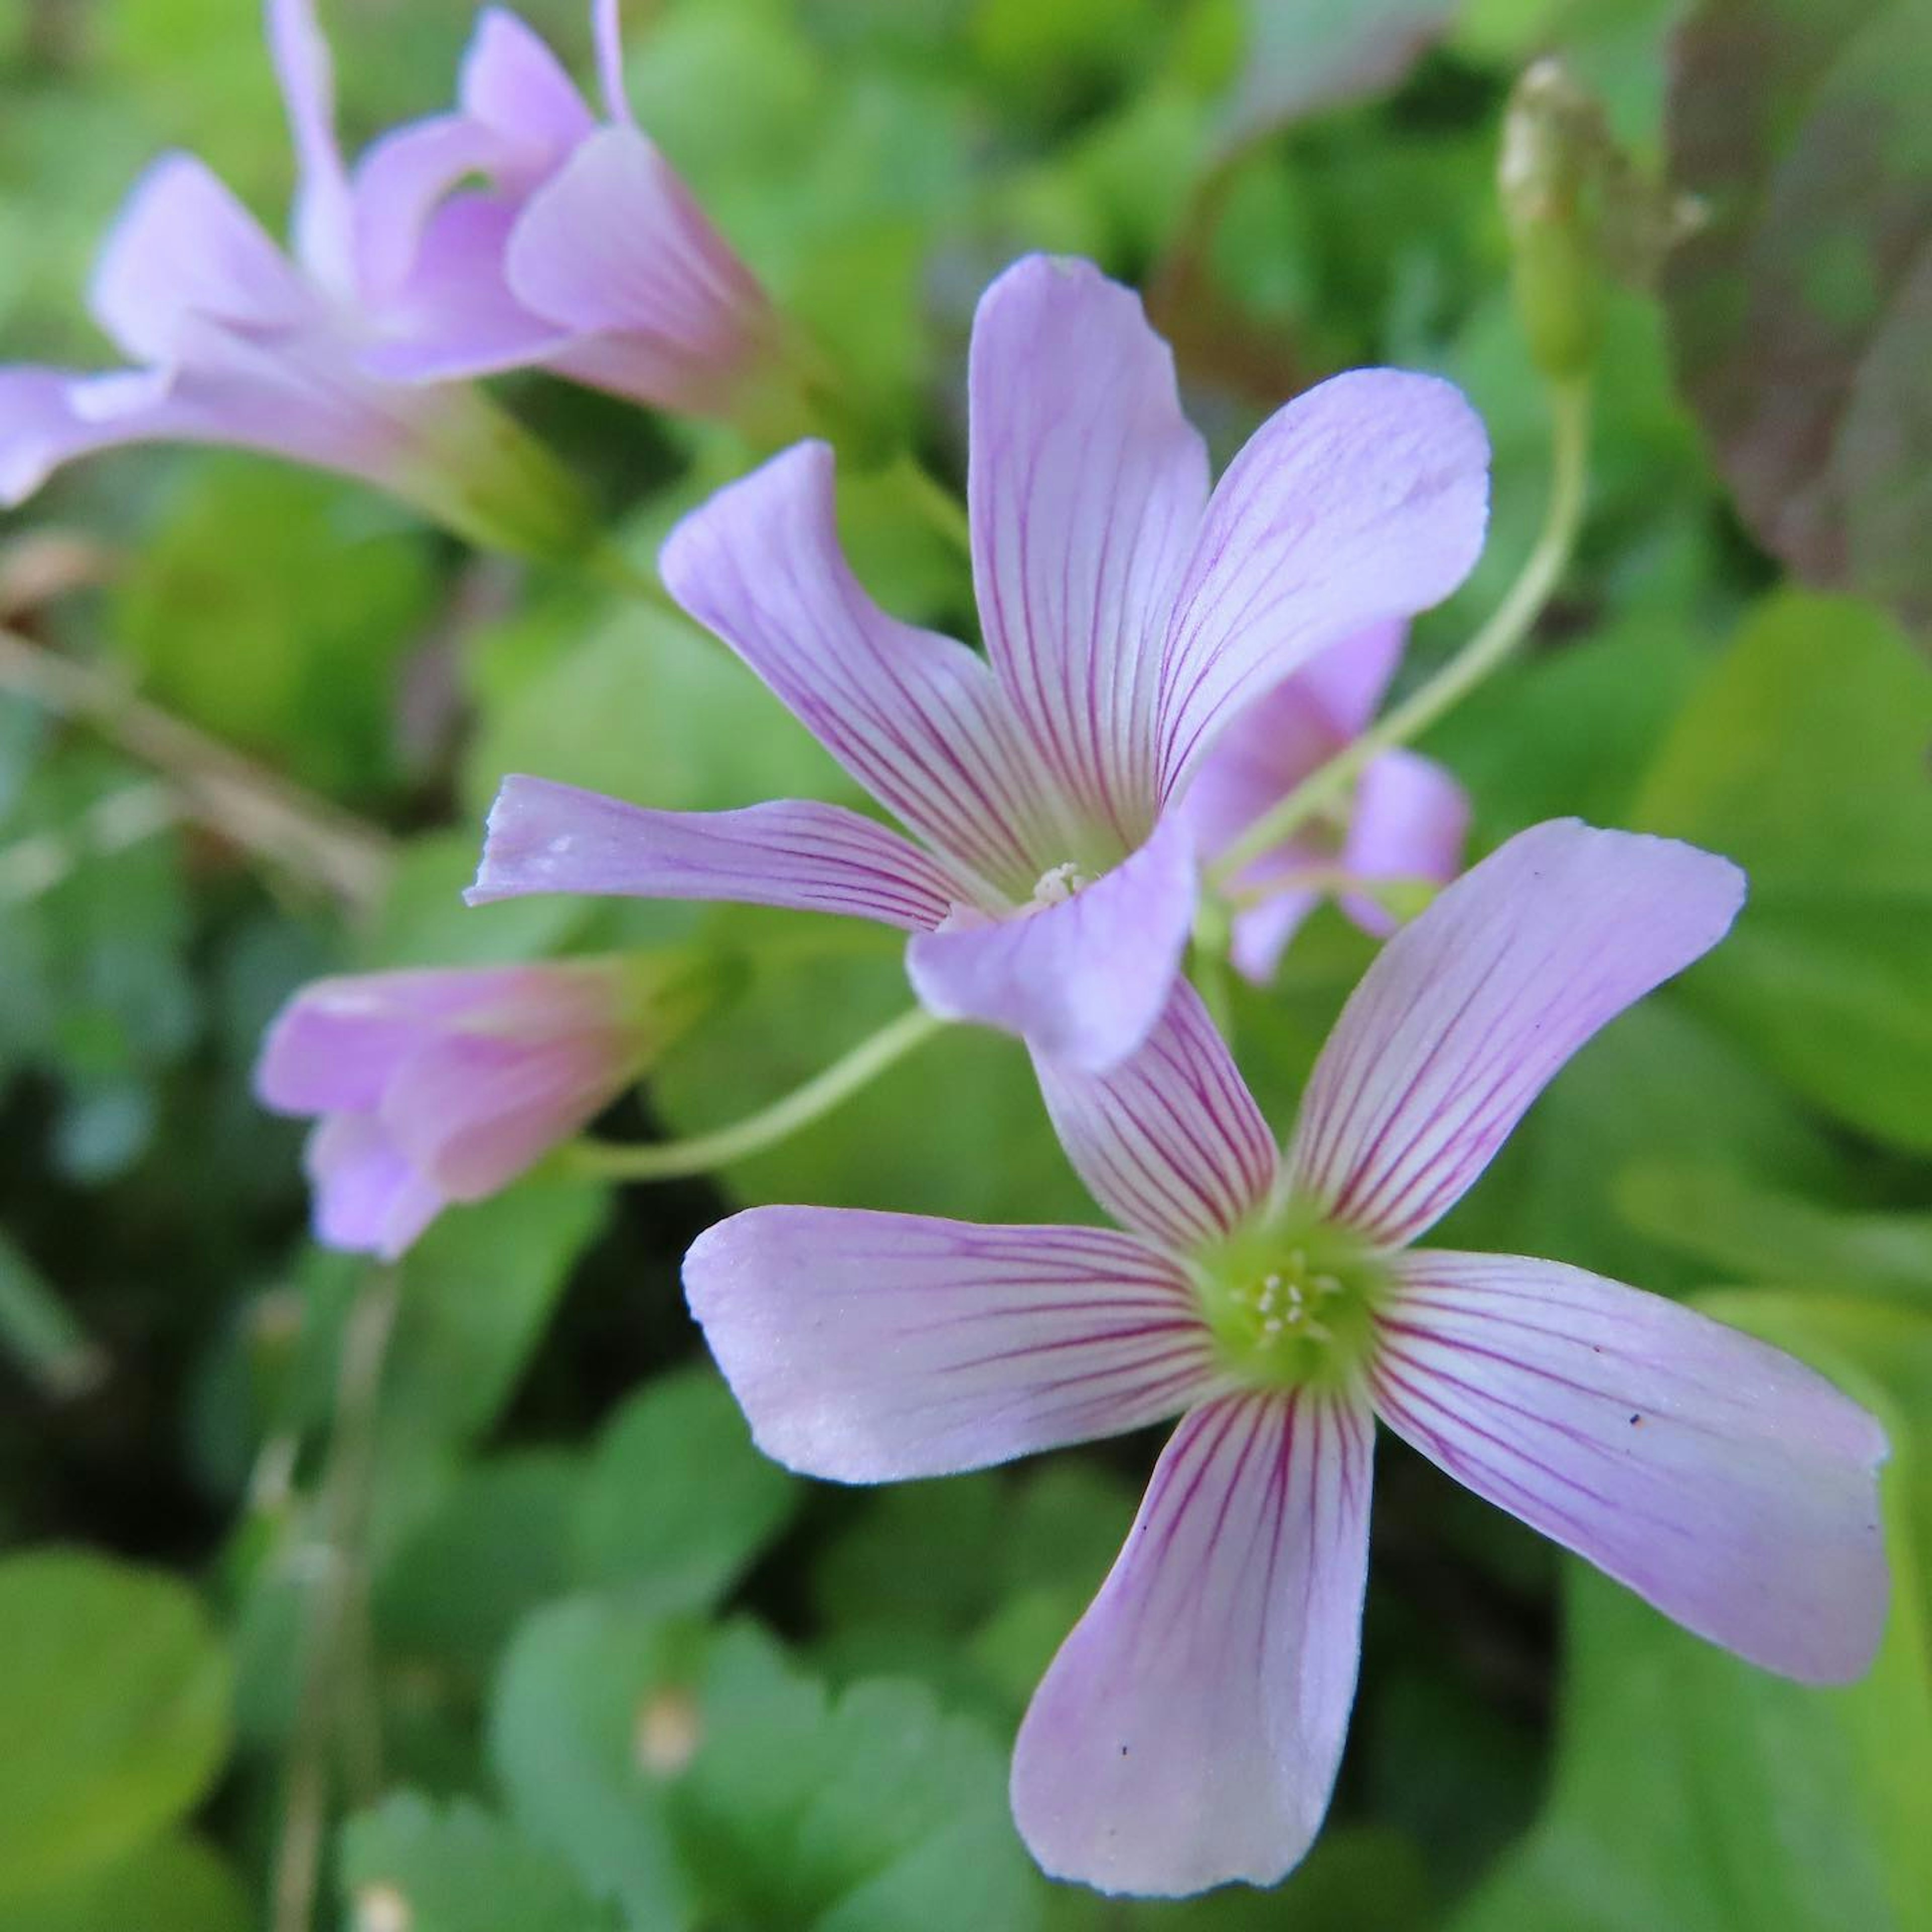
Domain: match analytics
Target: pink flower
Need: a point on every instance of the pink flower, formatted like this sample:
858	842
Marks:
442	1085
1405	823
1189	1730
1129	617
521	231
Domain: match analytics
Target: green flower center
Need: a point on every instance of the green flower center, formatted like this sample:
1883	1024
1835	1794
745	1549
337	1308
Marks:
1291	1301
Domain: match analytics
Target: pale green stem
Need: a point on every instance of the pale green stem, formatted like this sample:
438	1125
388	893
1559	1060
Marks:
1510	623
1394	889
940	508
667	1159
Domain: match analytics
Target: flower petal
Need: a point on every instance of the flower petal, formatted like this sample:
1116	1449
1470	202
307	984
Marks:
1188	1732
1347	679
549	838
1470	1009
367	1199
1363	500
1721	1479
1084	980
183	248
1410	820
607	30
401	183
867	1347
1170	1142
513	85
1086	491
916	718
614	244
324	222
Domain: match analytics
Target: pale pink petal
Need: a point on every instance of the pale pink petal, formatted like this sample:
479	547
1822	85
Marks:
402	182
1170	1142
1363	501
1410	820
615	244
1723	1481
41	428
1086	489
867	1347
366	1198
1188	1732
916	718
1347	679
183	248
1262	933
1083	980
549	838
514	85
1470	1009
607	29
324	223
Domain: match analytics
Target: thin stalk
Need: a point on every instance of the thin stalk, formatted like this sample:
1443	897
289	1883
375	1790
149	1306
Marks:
942	511
1508	625
703	1153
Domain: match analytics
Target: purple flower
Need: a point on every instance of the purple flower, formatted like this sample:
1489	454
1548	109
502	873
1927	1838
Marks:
442	1085
1406	825
520	230
1128	617
1189	1730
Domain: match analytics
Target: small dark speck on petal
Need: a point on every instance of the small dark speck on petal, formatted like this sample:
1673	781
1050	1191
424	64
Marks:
1635	1420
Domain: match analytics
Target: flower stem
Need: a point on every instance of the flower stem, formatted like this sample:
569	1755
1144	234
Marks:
1508	625
667	1159
942	511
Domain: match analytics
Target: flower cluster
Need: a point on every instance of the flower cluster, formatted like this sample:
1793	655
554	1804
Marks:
1166	660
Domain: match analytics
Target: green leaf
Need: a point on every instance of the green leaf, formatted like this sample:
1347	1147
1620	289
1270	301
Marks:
456	1868
176	1885
676	1502
1802	332
1802	756
1694	1792
115	1697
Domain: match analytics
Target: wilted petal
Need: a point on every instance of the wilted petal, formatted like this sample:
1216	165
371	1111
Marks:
1086	491
1083	980
1470	1009
1363	500
1723	1481
867	1347
1170	1141
1189	1731
324	224
916	718
549	838
1410	820
367	1199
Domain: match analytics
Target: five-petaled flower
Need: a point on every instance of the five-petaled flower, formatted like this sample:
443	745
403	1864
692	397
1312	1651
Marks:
1189	1730
444	1085
584	254
1129	618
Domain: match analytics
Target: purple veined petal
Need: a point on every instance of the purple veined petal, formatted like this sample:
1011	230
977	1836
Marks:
324	221
1170	1142
608	31
367	1199
1723	1481
1469	1010
471	1111
1189	1731
453	316
1410	820
615	243
869	1348
548	838
1086	490
1084	980
1362	501
916	718
513	85
183	247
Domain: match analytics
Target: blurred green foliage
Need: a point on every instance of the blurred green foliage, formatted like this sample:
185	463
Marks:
568	1654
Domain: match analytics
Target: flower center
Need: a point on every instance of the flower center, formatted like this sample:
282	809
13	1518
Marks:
1058	883
1291	1301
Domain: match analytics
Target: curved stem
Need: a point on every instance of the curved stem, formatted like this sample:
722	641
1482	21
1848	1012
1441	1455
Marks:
942	511
667	1159
1508	625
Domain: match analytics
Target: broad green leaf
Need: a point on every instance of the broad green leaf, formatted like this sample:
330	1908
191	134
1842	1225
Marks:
1802	332
114	1697
676	1502
1802	756
456	1868
175	1884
